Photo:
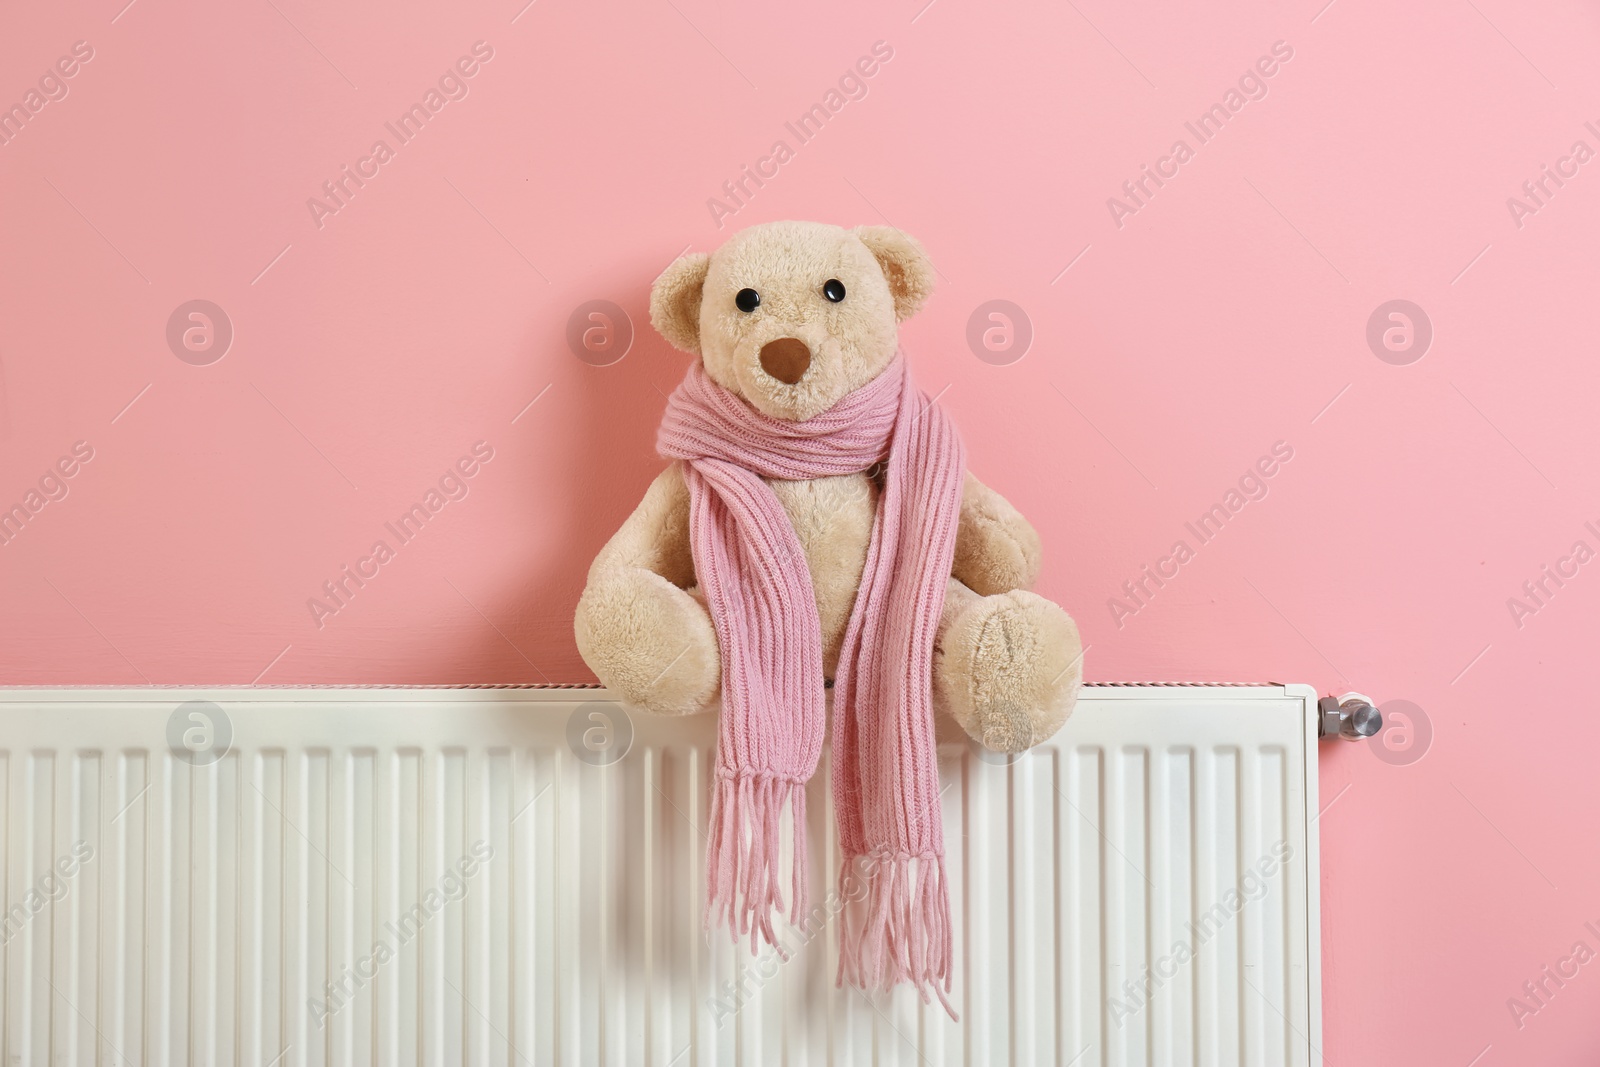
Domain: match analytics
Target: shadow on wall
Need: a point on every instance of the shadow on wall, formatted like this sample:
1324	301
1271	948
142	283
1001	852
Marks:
594	477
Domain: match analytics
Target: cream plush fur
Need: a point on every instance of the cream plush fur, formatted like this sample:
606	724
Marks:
1007	663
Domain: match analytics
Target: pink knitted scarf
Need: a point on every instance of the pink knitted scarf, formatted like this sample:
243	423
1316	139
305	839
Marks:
753	572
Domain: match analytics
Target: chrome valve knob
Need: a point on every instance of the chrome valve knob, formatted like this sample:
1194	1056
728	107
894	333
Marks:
1351	717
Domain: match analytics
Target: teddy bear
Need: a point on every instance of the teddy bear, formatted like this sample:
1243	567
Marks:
1007	661
817	529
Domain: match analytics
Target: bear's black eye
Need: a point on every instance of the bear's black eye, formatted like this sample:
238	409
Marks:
747	300
833	289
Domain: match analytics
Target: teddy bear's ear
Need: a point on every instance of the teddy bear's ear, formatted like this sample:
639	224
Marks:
675	301
904	264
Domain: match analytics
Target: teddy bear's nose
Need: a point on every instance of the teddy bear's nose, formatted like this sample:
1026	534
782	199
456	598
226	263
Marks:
786	359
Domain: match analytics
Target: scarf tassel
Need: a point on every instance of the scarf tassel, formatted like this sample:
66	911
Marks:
900	929
742	861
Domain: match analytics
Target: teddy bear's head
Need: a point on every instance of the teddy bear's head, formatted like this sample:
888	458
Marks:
792	316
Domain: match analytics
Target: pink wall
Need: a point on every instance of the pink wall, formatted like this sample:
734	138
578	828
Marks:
1172	347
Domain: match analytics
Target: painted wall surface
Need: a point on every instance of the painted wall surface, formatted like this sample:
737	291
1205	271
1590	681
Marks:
1198	218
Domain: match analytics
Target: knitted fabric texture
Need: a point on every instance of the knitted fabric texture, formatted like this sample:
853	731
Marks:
895	925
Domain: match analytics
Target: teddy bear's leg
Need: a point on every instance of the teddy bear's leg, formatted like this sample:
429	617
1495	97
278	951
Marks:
639	627
1007	666
649	642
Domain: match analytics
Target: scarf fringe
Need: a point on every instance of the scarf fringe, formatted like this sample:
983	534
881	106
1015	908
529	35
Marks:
901	931
743	869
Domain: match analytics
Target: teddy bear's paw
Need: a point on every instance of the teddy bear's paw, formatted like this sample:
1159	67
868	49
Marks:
649	642
1007	667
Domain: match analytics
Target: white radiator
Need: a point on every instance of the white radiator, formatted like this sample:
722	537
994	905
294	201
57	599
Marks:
481	886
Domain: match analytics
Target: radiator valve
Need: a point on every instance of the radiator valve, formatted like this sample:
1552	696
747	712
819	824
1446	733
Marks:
1351	717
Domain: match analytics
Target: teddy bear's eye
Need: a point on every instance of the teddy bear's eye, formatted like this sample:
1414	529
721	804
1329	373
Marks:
833	289
747	300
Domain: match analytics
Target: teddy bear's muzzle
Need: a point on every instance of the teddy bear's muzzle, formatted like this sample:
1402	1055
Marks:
786	359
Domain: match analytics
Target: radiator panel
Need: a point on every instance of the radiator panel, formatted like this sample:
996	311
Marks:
220	899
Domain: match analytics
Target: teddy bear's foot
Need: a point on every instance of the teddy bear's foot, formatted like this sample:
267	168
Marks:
649	642
1007	667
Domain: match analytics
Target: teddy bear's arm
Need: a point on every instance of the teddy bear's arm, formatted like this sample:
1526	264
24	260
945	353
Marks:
645	637
996	549
656	536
